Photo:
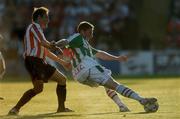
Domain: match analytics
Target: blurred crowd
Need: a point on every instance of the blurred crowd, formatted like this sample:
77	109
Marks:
110	17
116	24
114	21
173	27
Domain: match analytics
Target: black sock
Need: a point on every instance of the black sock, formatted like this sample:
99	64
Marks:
25	98
61	95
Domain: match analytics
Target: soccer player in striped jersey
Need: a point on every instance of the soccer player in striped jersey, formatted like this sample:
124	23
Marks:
2	69
88	71
2	66
37	48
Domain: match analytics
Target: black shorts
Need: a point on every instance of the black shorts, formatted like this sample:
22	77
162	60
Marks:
38	69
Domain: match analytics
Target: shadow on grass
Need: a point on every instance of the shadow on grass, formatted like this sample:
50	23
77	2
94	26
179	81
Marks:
58	115
68	114
40	116
143	113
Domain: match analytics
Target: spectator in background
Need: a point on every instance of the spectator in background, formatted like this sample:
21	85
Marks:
172	39
69	13
106	14
174	31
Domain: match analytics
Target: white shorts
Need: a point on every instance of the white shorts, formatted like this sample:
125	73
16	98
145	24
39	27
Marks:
95	76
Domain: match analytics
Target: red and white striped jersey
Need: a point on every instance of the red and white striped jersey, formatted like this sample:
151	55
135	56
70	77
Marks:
33	37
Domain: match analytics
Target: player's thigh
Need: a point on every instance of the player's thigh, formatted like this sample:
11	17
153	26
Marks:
58	77
99	75
103	77
38	85
37	68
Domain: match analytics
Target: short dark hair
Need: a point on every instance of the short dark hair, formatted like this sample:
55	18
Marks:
41	11
84	25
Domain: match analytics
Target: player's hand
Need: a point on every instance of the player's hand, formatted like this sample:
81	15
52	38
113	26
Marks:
59	51
66	65
55	48
122	58
53	45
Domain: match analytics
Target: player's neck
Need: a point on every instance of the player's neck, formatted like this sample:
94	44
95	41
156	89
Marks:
37	22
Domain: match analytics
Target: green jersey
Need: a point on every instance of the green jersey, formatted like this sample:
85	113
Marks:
84	54
81	49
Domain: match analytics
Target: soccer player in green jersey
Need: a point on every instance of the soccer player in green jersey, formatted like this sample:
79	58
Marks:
88	71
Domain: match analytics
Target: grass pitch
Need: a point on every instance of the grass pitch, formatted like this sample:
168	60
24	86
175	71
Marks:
92	103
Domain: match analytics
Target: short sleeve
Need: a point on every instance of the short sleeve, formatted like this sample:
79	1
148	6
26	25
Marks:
94	51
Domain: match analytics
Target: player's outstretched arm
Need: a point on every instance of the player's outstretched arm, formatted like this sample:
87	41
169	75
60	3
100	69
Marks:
106	56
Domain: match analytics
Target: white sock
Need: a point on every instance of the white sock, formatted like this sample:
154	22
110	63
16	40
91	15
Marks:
127	92
113	95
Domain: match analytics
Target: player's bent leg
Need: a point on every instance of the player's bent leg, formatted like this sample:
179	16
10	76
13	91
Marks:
111	84
58	77
60	90
27	96
38	86
113	95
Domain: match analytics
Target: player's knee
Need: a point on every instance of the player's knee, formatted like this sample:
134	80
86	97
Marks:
62	81
111	84
59	78
38	90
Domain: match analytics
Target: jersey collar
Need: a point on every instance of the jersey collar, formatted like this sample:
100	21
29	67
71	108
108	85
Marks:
38	26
